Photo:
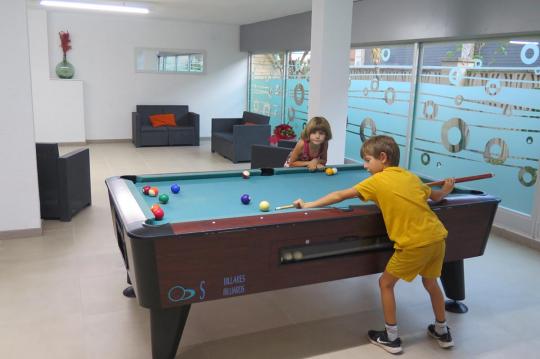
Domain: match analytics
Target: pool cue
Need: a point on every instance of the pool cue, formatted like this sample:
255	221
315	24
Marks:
463	179
285	207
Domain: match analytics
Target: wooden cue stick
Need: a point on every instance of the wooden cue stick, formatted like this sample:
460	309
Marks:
463	179
285	207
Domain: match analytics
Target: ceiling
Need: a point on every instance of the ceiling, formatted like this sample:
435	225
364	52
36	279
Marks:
214	11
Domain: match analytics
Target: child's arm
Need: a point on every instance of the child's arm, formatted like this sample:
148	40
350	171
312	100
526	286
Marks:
295	154
447	187
324	155
329	199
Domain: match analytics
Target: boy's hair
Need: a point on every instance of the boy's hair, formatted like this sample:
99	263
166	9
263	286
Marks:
375	145
317	123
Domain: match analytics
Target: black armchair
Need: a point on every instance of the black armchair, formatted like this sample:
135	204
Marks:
264	156
186	131
233	137
64	181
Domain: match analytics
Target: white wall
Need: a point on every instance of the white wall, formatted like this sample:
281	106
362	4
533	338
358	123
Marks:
58	104
104	58
18	178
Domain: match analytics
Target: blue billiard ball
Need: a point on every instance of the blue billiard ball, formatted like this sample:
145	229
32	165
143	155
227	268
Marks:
245	198
175	188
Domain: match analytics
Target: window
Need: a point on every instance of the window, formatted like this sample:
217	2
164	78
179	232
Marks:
169	61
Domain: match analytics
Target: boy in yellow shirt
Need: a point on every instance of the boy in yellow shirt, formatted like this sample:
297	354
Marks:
417	233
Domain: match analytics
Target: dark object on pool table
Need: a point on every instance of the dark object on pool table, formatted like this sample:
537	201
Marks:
64	181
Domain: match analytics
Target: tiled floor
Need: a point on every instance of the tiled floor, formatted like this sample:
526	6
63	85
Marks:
60	295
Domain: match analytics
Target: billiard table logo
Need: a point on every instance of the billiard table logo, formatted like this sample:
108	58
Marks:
181	294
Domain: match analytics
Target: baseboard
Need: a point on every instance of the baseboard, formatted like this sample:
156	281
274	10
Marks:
72	143
110	141
516	237
21	233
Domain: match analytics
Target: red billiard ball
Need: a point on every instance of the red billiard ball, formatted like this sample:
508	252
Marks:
245	174
145	189
158	214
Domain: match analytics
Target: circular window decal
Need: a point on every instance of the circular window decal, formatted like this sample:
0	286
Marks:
299	94
367	123
463	131
374	84
493	87
529	140
366	91
430	110
425	158
458	100
389	95
497	159
385	54
526	49
456	75
524	172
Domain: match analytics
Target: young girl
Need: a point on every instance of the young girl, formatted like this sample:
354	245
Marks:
311	151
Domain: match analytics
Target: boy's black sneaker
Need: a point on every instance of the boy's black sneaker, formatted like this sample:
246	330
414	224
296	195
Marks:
445	340
380	338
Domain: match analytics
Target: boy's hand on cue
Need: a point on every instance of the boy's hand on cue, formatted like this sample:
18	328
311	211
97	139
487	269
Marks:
299	203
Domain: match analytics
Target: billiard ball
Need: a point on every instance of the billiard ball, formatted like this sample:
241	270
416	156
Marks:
245	174
334	169
152	192
329	171
297	255
245	198
154	207
264	206
145	189
158	214
175	188
163	198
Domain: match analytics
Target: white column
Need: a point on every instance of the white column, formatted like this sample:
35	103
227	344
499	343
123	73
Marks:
329	74
18	178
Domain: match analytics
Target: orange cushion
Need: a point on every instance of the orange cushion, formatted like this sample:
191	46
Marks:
164	119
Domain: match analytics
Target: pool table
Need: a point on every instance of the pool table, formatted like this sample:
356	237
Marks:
209	245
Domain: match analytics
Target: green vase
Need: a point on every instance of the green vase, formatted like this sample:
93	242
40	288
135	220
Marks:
64	69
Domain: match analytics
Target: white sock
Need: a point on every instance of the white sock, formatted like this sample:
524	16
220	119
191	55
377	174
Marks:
392	332
441	327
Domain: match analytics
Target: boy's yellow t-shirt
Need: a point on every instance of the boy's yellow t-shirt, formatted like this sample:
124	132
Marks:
402	198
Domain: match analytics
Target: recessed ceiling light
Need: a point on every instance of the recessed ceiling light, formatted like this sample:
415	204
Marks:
90	6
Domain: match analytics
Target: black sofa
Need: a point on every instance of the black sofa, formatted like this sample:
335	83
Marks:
264	156
64	181
186	131
233	137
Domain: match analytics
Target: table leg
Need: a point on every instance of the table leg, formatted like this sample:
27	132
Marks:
166	326
453	281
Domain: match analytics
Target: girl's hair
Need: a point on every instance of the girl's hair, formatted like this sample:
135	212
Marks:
317	123
375	145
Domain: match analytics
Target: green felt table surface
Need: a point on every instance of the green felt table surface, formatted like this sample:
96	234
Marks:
216	195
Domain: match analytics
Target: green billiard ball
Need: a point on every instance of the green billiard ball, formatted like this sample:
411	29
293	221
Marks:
163	198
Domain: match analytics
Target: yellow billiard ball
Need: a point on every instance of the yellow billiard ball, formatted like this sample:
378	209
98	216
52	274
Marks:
264	206
329	171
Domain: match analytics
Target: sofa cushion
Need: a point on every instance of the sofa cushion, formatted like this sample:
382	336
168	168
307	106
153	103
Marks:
147	128
163	119
227	136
